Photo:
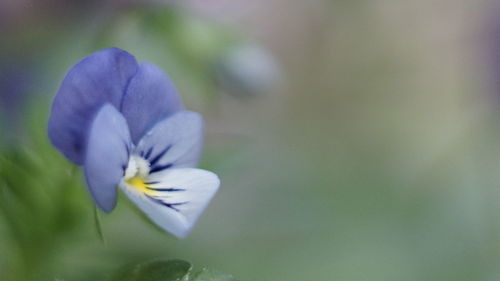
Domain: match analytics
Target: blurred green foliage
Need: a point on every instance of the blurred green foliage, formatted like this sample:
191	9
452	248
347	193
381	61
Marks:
40	201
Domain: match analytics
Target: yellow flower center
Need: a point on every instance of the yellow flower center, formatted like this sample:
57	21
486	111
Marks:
139	184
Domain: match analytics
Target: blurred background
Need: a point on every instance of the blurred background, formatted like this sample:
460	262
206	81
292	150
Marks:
355	140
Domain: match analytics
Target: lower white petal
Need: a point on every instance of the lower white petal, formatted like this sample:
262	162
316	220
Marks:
175	198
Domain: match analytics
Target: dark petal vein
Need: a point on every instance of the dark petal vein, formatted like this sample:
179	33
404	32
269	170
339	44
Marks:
166	204
148	153
152	182
160	168
160	155
169	189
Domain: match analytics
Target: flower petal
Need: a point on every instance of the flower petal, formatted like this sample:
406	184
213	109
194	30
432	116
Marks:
100	78
150	97
174	199
107	156
175	142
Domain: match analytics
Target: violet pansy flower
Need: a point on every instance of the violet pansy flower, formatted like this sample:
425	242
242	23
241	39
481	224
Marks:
125	123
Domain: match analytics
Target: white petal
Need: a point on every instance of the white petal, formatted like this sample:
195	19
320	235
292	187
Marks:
175	198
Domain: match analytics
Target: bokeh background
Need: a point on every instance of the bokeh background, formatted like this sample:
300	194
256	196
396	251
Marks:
355	140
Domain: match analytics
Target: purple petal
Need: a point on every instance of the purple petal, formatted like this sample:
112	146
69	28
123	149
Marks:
100	78
175	142
107	156
151	96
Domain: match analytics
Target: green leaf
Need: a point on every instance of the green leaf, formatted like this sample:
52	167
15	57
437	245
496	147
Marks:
159	270
207	274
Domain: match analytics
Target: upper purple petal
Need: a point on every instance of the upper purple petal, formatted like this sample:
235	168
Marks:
143	93
107	156
175	142
100	78
150	97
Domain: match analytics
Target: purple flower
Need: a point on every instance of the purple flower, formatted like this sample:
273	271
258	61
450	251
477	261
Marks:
126	124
